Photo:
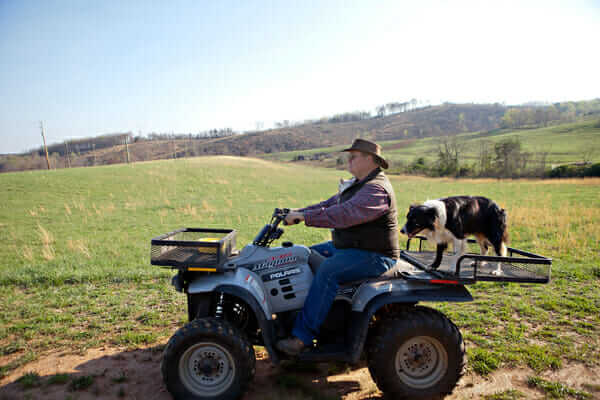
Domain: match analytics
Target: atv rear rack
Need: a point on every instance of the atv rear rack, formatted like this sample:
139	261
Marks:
520	266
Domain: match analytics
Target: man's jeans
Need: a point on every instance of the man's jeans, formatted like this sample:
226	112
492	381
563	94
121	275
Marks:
340	266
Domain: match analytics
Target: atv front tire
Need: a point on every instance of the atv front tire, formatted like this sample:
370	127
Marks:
208	359
416	354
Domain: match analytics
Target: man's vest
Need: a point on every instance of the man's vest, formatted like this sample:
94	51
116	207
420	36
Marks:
379	235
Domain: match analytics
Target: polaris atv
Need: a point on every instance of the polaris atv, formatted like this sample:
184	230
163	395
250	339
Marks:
240	299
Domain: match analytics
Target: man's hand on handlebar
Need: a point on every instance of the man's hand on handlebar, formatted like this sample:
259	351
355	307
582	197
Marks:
294	217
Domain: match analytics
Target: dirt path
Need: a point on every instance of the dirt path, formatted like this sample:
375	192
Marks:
135	374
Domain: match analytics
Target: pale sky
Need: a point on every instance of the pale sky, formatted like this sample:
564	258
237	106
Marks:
87	68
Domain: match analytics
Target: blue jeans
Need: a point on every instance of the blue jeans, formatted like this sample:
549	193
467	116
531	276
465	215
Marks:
340	266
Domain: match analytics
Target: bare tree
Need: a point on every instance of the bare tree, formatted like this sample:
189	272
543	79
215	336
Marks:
450	149
542	160
485	157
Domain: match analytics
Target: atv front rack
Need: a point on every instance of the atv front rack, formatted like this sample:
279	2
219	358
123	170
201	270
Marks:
193	249
520	266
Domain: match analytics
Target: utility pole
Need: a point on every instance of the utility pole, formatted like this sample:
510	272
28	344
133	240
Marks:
68	156
45	147
127	147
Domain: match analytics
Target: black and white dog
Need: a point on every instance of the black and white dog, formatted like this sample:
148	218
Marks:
452	219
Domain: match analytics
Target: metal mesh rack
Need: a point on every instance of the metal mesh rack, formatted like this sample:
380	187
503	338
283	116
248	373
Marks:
193	247
519	266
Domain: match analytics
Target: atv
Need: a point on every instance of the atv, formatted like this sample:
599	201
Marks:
239	299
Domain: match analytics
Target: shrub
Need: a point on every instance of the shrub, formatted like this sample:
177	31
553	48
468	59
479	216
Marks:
30	380
81	383
593	170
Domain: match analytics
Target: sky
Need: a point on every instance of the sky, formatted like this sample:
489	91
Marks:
87	67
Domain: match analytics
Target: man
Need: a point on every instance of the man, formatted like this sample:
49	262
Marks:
365	238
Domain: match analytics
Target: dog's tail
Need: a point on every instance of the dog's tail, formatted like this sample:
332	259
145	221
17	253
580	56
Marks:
503	225
502	230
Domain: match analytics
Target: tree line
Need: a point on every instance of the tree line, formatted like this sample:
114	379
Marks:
503	159
519	117
380	111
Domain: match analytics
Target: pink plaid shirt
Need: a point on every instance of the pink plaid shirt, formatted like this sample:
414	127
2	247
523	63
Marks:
369	203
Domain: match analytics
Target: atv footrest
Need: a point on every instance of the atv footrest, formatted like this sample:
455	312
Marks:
326	352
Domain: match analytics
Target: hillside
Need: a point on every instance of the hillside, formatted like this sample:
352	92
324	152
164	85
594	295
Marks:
448	119
557	144
405	135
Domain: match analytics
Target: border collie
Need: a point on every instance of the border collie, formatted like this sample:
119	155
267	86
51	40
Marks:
345	184
452	219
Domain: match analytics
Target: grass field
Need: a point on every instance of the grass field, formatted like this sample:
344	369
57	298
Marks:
563	143
75	269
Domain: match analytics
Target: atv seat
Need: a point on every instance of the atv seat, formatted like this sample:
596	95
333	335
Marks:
314	260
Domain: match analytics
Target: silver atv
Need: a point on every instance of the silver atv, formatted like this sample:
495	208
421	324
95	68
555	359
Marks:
240	299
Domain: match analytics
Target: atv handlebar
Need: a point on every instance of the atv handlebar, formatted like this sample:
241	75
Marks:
282	213
271	231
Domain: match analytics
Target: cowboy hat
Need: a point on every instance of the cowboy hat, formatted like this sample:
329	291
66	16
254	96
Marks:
372	148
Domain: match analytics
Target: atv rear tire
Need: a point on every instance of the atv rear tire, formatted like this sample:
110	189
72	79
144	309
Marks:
416	354
208	359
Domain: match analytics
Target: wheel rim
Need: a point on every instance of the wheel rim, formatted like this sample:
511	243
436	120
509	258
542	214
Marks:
206	369
421	362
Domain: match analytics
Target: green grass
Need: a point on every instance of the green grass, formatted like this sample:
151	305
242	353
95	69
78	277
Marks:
58	379
556	390
483	361
510	394
30	380
81	383
76	274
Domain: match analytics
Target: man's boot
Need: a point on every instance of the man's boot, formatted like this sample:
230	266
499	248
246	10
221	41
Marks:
292	346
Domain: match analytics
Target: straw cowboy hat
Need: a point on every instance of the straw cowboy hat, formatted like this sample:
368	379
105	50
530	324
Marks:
366	146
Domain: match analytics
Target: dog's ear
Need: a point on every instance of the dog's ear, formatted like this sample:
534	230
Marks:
412	207
432	211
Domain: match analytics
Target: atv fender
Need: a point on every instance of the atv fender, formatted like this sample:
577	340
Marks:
246	286
402	291
241	278
371	297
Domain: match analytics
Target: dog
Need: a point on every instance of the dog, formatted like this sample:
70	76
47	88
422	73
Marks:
345	184
452	219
